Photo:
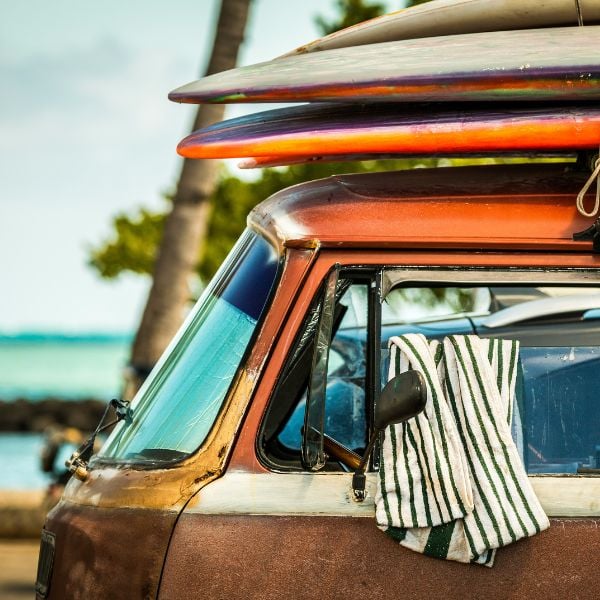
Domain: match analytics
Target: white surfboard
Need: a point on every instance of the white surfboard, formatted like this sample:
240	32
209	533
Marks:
453	17
555	64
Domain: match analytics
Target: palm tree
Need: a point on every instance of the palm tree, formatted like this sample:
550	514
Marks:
186	224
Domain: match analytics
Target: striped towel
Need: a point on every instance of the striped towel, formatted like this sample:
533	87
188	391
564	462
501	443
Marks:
451	483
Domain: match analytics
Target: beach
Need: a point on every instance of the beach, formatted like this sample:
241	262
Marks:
51	380
19	564
46	380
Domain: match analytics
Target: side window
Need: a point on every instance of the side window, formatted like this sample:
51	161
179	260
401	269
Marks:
345	419
556	417
561	411
556	421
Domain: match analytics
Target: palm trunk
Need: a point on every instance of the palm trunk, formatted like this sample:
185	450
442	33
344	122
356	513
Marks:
186	225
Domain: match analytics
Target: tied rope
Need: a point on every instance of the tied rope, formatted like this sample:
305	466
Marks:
579	15
580	197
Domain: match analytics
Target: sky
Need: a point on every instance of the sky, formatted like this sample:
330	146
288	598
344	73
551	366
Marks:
86	132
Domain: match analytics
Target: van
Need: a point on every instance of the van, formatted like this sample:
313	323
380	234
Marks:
248	464
209	488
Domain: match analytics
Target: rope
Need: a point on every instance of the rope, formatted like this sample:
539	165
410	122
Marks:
580	197
579	15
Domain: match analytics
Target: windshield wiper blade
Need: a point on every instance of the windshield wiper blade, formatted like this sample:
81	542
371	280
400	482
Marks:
161	454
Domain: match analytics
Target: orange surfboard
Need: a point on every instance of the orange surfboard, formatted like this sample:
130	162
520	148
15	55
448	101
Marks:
319	131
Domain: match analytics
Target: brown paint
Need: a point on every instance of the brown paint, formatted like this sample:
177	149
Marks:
113	529
334	557
108	552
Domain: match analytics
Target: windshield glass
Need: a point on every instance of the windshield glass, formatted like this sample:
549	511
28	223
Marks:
176	408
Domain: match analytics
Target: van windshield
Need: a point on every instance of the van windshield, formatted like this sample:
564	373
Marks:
175	409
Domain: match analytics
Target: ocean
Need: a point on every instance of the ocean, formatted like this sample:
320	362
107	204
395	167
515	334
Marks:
20	461
38	366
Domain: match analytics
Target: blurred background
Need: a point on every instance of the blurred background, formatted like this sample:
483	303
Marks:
90	175
90	181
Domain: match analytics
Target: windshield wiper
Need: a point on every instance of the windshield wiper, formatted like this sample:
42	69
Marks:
78	462
160	454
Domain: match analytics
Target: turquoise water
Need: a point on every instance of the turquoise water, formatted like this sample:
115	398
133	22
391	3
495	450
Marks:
35	367
20	460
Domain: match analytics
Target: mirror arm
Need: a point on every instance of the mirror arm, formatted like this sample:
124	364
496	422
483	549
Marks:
403	397
359	479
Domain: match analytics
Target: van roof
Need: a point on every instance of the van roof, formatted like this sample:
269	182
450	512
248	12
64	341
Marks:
525	206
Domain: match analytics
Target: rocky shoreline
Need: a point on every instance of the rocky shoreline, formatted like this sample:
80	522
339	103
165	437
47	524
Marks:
22	512
27	416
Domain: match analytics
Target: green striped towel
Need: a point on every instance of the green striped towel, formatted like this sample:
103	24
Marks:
451	483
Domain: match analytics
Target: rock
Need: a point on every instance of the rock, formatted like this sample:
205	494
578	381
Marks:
23	415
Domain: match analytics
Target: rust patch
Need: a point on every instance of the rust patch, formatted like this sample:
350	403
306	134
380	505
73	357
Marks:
108	553
336	557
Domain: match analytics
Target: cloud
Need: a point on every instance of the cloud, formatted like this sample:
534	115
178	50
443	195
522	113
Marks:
95	94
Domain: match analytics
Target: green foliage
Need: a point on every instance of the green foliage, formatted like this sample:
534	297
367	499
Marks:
351	12
135	240
456	299
132	247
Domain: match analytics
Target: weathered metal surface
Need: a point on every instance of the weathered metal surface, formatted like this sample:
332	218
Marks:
495	207
108	553
331	494
113	529
367	210
331	557
537	64
323	131
452	17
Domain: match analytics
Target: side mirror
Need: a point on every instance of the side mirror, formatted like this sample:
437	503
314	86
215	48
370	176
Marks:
402	398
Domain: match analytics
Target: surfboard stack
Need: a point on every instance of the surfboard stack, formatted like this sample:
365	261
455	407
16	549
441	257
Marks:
450	77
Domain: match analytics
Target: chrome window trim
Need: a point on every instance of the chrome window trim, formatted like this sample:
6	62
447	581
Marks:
393	277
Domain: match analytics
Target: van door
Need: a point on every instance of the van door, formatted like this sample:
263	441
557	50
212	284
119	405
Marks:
284	523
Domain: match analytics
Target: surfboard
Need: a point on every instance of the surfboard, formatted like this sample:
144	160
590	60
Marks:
538	64
264	162
386	129
453	17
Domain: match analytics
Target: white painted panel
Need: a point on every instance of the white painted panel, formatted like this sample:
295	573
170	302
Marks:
329	494
568	496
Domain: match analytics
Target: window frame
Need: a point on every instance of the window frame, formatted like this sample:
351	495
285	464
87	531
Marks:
386	277
369	276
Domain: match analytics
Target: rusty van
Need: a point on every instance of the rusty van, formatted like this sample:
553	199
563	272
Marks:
210	487
247	464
